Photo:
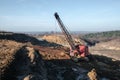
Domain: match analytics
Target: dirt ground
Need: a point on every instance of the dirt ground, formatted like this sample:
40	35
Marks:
32	59
104	66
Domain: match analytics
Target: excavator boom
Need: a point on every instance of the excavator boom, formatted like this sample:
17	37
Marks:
65	32
76	51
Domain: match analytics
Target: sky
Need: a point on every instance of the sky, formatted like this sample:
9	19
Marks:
77	15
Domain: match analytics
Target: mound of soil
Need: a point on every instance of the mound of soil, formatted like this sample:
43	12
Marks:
59	39
24	38
20	62
7	51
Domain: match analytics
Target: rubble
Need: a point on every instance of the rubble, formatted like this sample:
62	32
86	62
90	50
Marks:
92	74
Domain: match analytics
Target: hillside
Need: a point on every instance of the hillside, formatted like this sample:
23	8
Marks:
102	36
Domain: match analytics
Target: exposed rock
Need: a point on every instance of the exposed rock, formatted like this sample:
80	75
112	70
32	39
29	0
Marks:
92	75
28	77
62	54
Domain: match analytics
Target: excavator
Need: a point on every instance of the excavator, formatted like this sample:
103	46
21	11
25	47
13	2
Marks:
78	51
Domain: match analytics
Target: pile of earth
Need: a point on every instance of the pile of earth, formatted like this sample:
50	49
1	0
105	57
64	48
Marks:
18	61
29	60
60	39
24	38
7	51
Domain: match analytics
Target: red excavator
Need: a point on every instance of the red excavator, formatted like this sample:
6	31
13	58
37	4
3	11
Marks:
76	51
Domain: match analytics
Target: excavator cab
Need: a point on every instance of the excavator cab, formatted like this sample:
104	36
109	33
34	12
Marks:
81	52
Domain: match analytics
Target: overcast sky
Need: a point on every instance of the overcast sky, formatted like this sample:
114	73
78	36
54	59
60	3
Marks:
77	15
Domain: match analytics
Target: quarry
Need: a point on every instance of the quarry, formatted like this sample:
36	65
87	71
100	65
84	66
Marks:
24	57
